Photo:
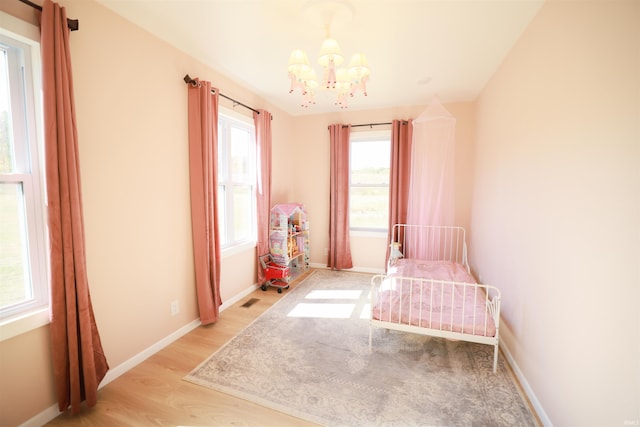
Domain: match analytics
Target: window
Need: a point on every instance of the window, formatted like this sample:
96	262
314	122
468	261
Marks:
370	160
236	180
24	284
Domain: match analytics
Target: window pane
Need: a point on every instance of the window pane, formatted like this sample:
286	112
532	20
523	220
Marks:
370	176
240	155
369	207
7	155
370	162
222	152
222	214
236	203
24	284
242	209
14	257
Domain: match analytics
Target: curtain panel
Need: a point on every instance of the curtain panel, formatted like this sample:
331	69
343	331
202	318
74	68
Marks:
262	121
339	243
400	174
79	362
203	162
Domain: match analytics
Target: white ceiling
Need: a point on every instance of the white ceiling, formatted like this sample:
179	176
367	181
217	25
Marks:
416	48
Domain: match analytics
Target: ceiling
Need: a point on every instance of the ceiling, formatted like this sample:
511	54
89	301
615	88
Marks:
416	48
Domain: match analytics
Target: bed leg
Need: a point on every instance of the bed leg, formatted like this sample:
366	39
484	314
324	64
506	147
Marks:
495	358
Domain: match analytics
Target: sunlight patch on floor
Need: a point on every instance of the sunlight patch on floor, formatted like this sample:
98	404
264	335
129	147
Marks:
366	312
333	294
322	310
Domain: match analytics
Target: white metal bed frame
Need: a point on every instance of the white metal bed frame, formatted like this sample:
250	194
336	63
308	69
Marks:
448	244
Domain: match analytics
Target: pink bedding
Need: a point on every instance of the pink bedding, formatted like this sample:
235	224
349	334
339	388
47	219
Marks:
436	304
437	270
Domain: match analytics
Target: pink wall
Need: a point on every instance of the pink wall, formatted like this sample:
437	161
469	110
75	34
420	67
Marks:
312	151
556	208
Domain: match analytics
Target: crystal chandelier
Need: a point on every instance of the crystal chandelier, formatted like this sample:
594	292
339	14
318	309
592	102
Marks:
344	82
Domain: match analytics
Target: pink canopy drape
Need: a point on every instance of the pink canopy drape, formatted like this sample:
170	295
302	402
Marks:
262	121
339	243
431	193
400	173
79	363
203	161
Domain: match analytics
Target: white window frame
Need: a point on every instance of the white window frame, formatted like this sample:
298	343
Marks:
227	118
28	139
362	137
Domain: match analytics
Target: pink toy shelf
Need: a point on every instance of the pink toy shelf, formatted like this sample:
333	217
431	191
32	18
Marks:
288	239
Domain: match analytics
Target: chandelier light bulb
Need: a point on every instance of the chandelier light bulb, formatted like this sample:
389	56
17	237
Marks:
330	52
359	66
298	62
344	82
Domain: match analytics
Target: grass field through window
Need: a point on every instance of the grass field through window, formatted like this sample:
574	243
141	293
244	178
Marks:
12	250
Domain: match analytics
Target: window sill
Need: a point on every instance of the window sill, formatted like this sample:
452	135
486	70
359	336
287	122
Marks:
15	326
236	249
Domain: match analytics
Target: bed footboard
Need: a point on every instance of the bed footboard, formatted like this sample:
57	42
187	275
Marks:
453	310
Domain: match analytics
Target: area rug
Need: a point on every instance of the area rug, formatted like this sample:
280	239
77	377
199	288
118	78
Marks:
308	356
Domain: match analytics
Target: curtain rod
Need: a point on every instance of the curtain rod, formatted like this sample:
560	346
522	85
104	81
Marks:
367	124
189	80
73	24
374	124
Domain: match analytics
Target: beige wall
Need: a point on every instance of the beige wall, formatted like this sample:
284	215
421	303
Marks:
313	169
556	208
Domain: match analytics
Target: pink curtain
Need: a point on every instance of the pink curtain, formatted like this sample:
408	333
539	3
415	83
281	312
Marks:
339	245
79	363
262	121
203	161
431	194
399	180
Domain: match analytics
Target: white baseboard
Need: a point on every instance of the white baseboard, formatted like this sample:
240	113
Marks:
354	269
43	417
113	373
238	297
544	418
150	351
317	265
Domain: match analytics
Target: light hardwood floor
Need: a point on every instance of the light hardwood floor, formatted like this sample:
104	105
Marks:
154	393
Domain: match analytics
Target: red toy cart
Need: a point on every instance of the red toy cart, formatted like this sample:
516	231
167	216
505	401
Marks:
275	275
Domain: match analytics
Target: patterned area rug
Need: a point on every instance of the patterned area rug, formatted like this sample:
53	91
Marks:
308	356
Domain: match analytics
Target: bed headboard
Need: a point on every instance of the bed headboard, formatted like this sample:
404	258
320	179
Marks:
431	242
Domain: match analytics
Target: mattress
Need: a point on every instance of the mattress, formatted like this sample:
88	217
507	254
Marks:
437	270
449	300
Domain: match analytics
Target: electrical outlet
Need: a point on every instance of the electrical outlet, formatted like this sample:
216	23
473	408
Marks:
175	307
